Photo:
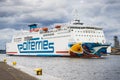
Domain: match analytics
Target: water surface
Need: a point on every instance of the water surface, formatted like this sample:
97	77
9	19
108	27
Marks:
66	68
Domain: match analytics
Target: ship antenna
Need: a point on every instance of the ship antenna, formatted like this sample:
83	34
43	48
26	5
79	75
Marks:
76	17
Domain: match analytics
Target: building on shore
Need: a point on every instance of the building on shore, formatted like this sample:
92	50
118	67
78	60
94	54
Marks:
2	51
116	47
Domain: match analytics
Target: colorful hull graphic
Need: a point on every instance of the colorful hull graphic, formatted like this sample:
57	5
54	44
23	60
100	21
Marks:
88	49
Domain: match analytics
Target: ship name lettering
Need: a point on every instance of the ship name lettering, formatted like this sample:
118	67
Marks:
36	45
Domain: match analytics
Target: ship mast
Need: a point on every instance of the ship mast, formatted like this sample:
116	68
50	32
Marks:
76	18
76	15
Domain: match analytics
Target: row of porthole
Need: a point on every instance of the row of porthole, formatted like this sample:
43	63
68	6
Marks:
87	32
90	35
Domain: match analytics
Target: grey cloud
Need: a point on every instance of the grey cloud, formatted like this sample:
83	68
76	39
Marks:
6	14
112	8
17	14
3	1
24	12
112	1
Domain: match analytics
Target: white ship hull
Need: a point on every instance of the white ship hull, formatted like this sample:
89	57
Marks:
53	47
72	40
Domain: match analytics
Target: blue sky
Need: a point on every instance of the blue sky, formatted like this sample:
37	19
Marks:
17	14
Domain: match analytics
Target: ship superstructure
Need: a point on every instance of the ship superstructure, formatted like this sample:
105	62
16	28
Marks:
73	39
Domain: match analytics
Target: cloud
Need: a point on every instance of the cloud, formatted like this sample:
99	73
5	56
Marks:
6	36
29	11
17	14
8	33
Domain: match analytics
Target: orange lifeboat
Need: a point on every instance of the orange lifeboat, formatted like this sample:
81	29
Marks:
45	29
36	29
58	26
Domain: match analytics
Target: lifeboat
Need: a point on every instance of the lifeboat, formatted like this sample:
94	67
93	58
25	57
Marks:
36	29
45	29
58	26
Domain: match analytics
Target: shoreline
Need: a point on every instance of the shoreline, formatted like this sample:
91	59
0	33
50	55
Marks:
13	73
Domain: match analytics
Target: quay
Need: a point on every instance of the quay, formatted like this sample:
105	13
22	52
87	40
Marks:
10	73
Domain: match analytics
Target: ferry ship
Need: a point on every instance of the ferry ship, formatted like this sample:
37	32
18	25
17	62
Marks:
72	39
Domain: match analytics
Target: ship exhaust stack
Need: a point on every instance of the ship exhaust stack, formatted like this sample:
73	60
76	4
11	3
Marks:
32	27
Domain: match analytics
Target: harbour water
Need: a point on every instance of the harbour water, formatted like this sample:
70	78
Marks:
66	68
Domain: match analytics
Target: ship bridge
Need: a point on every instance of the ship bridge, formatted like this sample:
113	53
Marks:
84	27
86	33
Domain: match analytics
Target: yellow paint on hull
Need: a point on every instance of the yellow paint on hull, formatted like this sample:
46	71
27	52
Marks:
77	48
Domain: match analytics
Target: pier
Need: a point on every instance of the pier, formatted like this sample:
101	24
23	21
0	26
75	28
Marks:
10	73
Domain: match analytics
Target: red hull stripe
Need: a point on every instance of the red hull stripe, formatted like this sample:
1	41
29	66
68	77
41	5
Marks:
61	51
56	52
11	52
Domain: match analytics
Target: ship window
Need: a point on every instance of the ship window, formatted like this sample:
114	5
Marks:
49	34
17	39
27	38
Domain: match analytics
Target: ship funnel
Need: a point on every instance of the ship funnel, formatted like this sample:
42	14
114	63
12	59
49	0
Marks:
33	28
